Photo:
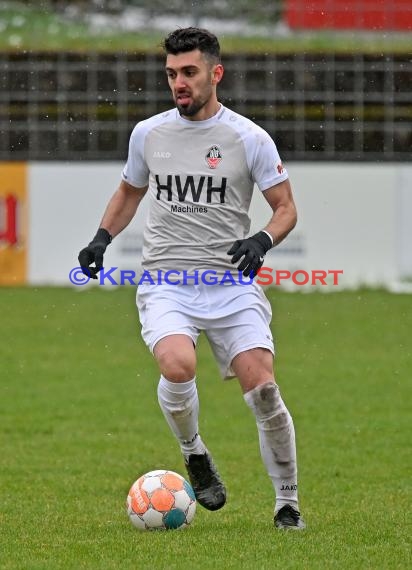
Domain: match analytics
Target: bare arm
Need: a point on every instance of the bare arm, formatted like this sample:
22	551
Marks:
121	208
119	212
283	220
284	216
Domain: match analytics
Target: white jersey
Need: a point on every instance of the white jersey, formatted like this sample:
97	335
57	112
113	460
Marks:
201	176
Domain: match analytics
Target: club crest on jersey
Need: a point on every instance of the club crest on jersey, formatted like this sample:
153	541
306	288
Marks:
213	156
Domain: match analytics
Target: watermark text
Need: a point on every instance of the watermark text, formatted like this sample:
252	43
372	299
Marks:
266	276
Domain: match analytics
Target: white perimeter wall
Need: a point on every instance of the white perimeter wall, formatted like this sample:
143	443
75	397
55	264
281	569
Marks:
352	217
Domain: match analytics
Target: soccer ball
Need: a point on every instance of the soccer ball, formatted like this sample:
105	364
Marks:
161	499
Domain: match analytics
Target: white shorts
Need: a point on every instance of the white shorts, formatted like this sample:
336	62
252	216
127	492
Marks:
234	318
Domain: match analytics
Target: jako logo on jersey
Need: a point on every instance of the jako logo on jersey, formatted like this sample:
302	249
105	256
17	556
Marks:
175	184
161	154
213	156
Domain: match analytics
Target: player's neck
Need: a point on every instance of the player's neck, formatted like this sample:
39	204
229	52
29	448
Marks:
207	112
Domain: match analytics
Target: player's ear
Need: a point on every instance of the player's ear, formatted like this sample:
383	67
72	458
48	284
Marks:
217	73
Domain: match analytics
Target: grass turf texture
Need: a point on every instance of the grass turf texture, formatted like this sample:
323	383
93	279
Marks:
33	27
80	422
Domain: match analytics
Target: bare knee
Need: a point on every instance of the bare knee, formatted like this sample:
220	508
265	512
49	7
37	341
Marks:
253	368
176	368
176	358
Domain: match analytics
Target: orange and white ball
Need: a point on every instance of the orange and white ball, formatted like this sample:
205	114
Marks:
161	499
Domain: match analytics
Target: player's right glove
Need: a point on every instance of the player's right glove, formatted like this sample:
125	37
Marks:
253	251
94	252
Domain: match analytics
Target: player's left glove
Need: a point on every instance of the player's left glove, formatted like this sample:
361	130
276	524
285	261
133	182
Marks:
253	249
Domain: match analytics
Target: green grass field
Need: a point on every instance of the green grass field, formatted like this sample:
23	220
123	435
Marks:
80	421
31	26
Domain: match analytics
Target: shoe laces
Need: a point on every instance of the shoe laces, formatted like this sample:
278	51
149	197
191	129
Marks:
289	511
203	468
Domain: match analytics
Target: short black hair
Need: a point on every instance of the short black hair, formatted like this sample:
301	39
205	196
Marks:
189	39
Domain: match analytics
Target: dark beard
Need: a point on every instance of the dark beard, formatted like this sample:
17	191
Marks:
192	109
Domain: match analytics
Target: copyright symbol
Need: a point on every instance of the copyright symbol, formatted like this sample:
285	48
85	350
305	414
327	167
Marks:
77	277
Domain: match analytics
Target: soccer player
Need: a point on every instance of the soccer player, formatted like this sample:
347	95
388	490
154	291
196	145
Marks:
198	164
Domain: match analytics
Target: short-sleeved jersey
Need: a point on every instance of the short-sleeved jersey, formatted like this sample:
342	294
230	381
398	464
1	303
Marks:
201	176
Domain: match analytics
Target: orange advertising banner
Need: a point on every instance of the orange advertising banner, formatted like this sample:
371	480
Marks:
13	223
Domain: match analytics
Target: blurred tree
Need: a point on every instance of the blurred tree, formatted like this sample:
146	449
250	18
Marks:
259	11
256	11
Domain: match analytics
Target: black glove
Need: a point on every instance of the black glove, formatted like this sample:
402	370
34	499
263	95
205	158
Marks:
94	253
254	249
